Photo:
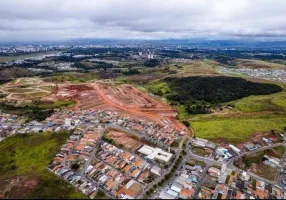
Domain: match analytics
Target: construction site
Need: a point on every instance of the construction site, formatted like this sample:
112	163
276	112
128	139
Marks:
126	99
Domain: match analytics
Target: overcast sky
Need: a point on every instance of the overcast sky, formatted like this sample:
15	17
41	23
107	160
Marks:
141	19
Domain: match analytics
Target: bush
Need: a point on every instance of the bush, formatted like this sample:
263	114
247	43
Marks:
131	72
152	63
187	123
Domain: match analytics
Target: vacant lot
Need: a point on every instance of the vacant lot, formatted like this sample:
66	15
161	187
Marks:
272	102
201	151
237	129
74	77
32	95
265	171
255	164
27	156
124	140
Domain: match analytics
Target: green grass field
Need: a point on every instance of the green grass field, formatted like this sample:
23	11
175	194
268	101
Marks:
272	102
240	125
238	129
74	77
29	155
55	105
31	95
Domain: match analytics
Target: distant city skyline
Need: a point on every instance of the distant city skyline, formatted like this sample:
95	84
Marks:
34	20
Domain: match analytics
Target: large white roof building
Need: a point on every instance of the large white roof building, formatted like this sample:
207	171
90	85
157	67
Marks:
155	154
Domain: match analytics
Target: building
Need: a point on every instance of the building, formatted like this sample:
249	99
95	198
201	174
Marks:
176	187
173	193
234	148
224	153
199	142
156	170
155	154
165	195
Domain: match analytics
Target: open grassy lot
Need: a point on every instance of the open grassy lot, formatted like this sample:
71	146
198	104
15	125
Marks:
255	163
237	129
272	102
54	105
75	77
250	115
28	156
30	95
201	151
19	90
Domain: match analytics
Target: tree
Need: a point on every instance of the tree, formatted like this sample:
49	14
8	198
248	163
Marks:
187	123
152	63
75	166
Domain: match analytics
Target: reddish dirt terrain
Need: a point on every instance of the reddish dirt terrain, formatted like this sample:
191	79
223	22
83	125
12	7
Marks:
124	139
17	187
126	99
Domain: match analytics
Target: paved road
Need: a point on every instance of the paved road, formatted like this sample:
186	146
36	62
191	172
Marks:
166	172
230	162
207	160
280	172
259	149
197	190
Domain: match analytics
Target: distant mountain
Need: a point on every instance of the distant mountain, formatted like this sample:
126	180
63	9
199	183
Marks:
186	42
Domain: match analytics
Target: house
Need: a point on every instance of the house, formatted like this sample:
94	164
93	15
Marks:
234	148
165	195
176	187
214	172
156	170
186	193
173	193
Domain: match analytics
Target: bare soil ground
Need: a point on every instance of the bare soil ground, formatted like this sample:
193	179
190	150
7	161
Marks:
17	187
121	98
264	171
23	89
120	138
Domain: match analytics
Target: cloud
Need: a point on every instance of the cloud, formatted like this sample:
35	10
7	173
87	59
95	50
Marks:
140	19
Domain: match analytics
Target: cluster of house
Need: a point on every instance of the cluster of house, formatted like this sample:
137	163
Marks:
239	186
9	124
73	156
274	75
184	185
86	159
226	152
115	183
130	165
84	185
79	147
162	136
60	66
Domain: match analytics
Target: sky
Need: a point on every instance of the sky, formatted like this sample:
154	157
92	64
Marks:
36	20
